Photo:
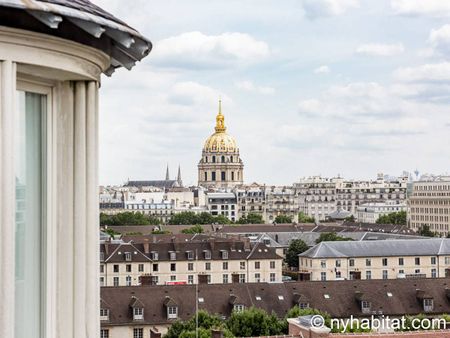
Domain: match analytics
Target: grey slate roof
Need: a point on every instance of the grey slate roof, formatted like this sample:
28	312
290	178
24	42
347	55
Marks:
162	184
401	247
80	21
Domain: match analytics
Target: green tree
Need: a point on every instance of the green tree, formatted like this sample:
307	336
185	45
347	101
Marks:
282	219
128	218
350	218
296	247
303	218
206	322
425	231
393	218
254	322
331	237
184	218
251	218
196	229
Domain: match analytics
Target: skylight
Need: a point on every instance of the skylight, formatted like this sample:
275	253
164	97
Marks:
326	296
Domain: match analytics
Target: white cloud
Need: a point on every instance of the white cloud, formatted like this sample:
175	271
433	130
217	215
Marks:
195	49
380	49
192	93
322	69
434	72
251	87
437	8
323	8
440	39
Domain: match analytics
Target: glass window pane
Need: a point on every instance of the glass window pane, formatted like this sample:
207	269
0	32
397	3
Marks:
29	141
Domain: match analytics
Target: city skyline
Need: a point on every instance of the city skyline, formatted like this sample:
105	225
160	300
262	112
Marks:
355	102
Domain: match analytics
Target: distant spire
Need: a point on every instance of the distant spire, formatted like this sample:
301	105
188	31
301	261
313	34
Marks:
220	120
179	181
167	173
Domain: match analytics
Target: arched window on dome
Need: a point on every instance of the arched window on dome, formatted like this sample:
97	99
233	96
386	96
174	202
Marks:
223	159
214	159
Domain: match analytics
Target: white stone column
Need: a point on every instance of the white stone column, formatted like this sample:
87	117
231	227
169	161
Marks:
7	197
78	278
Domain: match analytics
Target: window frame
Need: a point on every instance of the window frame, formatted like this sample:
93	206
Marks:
49	204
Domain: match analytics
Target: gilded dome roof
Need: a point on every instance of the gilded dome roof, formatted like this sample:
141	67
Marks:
220	141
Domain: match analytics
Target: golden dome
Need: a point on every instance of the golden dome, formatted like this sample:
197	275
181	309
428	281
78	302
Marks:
220	141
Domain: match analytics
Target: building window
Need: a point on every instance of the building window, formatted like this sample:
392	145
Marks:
104	314
128	281
155	267
138	333
428	304
208	279
417	271
154	280
172	312
102	281
207	254
365	306
272	264
173	267
323	264
224	265
222	176
116	268
190	279
272	277
257	277
303	305
155	256
232	175
30	222
128	267
128	256
241	278
141	267
116	281
224	254
102	268
104	333
213	176
138	313
207	266
239	307
433	273
323	276
433	260
190	266
190	255
206	175
369	274
257	265
401	261
242	265
225	278
417	260
368	262
338	263
384	261
173	256
351	262
338	275
385	274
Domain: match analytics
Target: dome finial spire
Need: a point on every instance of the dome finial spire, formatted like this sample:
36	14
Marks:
220	120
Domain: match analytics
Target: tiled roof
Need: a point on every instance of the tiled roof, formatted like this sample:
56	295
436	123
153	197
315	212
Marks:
393	297
400	247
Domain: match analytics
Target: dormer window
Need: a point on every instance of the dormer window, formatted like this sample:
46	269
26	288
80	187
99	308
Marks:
207	254
365	306
238	307
172	312
224	254
138	313
154	255
128	256
104	314
173	255
428	304
190	255
102	256
303	305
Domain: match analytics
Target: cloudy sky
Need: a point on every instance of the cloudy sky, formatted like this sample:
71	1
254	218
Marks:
350	87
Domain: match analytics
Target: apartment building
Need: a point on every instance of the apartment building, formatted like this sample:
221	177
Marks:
251	200
389	259
281	201
370	212
222	203
429	204
214	260
319	197
148	311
